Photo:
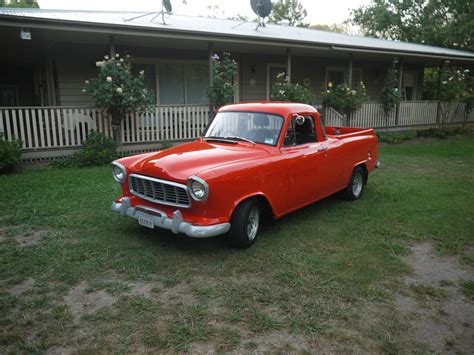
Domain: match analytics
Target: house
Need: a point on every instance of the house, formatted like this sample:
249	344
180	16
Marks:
46	55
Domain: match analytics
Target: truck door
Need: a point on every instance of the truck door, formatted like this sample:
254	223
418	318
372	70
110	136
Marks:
305	157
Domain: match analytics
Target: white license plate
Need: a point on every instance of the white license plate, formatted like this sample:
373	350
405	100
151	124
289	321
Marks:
146	222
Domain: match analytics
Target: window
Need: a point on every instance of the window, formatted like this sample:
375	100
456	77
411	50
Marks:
8	96
150	78
300	130
183	83
340	75
409	86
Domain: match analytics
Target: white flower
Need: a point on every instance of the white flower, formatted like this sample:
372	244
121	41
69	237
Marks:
121	59
215	57
119	65
117	55
106	57
328	91
145	90
445	82
109	79
282	92
329	85
83	90
128	55
353	92
450	78
119	90
466	71
86	82
100	64
142	72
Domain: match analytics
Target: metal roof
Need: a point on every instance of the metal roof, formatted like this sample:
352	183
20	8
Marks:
230	29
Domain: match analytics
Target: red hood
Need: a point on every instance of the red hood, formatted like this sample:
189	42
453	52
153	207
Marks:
181	162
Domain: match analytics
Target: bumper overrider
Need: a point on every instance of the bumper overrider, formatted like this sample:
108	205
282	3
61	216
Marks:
161	220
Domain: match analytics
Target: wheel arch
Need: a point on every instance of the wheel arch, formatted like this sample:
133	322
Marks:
262	200
363	165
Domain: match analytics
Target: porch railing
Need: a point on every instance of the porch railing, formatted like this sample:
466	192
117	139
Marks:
48	132
65	127
412	113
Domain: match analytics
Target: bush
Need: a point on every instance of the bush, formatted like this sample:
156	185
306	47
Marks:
98	149
344	99
283	90
10	154
395	137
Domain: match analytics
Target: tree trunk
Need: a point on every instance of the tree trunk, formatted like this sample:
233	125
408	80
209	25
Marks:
117	129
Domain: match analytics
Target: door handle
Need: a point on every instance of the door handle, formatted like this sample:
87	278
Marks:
322	149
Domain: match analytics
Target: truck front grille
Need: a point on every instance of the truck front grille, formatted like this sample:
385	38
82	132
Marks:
159	191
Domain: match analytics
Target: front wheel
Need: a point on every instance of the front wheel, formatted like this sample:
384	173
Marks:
244	224
356	185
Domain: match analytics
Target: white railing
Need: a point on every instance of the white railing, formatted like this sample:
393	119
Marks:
412	113
64	127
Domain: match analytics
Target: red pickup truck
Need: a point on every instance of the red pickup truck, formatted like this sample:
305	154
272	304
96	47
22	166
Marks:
253	159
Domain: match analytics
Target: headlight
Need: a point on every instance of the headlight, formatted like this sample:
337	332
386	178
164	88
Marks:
118	172
198	188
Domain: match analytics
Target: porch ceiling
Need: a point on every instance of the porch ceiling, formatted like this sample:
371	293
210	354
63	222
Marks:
43	40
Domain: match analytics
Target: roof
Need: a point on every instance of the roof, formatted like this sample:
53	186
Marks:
229	29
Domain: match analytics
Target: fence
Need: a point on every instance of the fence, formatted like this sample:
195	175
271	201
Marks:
412	113
48	132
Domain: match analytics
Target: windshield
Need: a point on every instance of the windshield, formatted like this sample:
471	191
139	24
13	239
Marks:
247	126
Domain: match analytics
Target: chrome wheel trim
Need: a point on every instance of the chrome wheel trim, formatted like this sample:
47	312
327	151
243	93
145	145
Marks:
253	222
357	184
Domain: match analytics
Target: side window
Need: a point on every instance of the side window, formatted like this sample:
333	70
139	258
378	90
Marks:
301	130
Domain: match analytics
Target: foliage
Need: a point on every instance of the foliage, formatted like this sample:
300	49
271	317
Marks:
283	90
222	90
442	23
97	150
291	11
332	28
117	90
390	95
397	137
240	17
344	99
10	154
19	3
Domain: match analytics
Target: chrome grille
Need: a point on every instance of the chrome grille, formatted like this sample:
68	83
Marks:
159	191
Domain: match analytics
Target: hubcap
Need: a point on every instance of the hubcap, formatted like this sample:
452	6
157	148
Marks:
357	184
253	222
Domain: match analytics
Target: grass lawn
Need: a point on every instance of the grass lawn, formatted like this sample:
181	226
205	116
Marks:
76	276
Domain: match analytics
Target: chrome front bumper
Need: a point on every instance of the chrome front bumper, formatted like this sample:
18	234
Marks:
175	224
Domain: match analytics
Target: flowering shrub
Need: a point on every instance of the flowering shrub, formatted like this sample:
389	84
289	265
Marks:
283	90
390	95
117	90
344	99
222	90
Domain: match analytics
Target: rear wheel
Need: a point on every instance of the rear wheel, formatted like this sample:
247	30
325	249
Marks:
244	224
356	185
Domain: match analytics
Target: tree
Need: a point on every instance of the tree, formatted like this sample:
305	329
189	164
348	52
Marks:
332	28
19	3
447	23
289	10
222	90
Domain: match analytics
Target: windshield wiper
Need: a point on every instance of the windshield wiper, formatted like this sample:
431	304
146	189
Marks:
219	139
240	139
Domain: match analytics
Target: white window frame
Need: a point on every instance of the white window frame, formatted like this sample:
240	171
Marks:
345	72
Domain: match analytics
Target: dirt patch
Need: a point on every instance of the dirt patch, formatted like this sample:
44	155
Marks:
31	238
442	317
81	302
21	288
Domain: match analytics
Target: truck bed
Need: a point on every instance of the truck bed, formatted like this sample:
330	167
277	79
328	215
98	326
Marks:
347	132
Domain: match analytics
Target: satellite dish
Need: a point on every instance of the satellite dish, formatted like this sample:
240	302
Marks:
167	6
262	9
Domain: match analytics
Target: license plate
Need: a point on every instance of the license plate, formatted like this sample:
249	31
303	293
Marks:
146	222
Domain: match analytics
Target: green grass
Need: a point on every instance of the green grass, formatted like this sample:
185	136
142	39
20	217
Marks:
327	272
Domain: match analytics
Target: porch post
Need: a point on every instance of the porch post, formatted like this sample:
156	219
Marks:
111	46
211	76
288	64
400	87
349	79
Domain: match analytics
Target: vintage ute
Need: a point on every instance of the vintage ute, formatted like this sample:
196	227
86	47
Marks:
253	160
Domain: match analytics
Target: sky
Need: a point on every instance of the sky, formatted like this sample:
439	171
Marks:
319	12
